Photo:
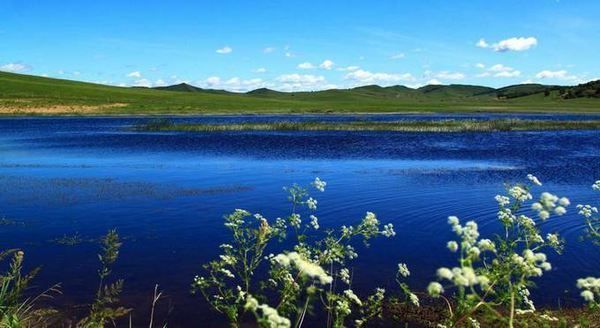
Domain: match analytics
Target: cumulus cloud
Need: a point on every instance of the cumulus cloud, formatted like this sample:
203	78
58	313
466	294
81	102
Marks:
297	82
260	70
348	68
511	44
399	55
234	84
433	82
327	64
142	83
482	44
445	75
135	74
500	70
480	65
363	76
305	65
268	50
225	50
14	67
559	75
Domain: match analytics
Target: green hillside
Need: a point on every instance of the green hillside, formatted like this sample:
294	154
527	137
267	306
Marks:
25	94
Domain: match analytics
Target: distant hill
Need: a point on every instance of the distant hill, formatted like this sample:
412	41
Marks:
25	94
181	87
586	90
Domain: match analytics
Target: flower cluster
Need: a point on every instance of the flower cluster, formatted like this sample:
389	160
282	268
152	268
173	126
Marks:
590	289
304	266
548	204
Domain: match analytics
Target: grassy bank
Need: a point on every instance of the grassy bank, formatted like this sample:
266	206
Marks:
34	95
400	126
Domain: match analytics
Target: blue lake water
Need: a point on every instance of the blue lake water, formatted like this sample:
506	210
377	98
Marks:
166	194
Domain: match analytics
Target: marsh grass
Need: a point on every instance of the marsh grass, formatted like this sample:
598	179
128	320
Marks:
395	126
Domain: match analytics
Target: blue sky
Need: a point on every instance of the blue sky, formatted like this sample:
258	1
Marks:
303	45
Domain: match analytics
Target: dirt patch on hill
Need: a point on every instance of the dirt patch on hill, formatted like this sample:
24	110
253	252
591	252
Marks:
56	109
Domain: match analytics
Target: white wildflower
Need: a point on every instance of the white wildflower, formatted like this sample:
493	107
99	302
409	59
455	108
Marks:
452	246
414	299
502	200
319	184
403	270
314	222
596	185
519	193
435	289
445	273
305	267
311	203
559	210
534	179
564	201
295	220
351	296
388	230
345	276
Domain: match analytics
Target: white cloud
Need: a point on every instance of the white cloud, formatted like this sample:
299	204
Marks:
142	83
348	68
305	65
225	50
480	65
559	75
327	64
14	67
511	44
302	82
234	84
268	50
362	76
445	75
514	73
260	70
135	74
301	78
482	44
434	82
399	55
499	70
160	83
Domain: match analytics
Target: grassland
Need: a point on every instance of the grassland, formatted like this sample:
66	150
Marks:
32	95
399	126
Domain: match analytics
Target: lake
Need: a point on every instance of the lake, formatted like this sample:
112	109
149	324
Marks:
166	194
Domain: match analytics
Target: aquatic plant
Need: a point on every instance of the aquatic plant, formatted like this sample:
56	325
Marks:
105	307
312	275
590	286
449	125
494	277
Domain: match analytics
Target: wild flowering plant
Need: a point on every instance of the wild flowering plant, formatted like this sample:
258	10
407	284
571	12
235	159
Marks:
495	274
590	286
313	275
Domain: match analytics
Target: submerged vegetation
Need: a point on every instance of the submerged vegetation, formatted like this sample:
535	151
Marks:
468	125
293	272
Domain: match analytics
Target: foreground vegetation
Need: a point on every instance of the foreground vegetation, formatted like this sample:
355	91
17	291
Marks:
400	126
489	286
33	95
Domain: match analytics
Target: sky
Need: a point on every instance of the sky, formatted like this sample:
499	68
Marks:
303	45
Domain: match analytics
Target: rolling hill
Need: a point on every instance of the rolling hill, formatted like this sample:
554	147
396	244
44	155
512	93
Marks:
34	95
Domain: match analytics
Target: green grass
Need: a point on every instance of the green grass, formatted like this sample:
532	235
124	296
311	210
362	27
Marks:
400	126
32	95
